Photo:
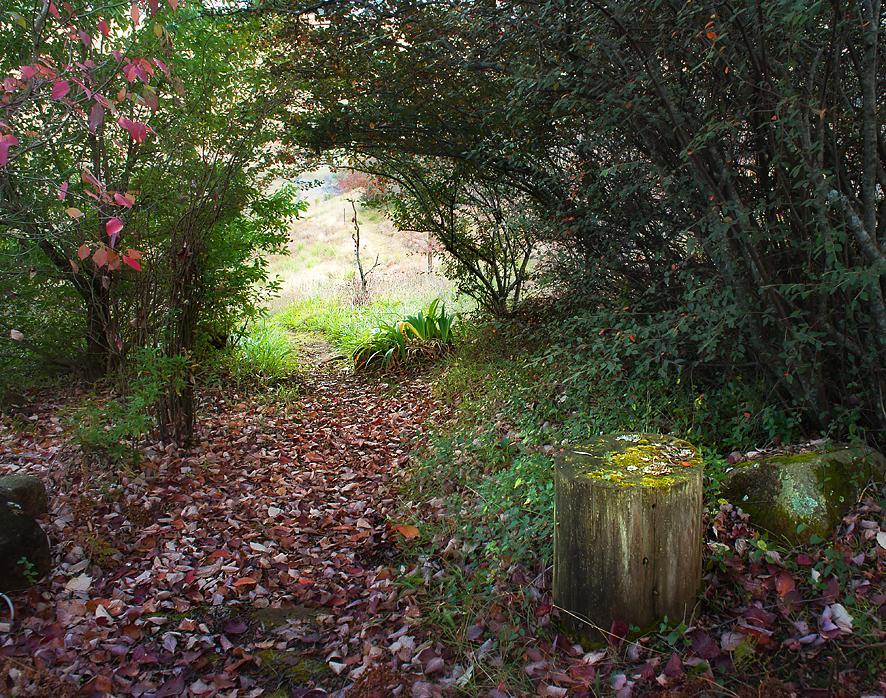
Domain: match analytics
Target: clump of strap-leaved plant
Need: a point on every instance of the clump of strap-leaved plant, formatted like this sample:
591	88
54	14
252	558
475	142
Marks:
422	336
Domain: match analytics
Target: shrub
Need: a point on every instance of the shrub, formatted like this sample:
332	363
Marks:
111	431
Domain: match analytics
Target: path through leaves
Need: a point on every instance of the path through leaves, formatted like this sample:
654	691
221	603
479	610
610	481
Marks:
262	562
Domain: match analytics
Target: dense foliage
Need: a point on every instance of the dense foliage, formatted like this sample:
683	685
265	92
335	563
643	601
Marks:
137	193
715	170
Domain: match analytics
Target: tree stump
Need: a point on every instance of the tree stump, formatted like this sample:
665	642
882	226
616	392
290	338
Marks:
628	530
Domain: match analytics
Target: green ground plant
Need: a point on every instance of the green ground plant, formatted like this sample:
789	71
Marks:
263	354
424	335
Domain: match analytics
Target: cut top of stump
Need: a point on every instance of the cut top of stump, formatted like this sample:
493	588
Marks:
633	460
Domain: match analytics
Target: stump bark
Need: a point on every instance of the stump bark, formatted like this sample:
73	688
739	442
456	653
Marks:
628	530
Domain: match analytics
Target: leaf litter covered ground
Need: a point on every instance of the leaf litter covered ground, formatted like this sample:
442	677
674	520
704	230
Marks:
275	559
261	560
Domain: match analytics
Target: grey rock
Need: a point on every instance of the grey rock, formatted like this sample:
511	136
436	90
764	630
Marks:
797	496
27	491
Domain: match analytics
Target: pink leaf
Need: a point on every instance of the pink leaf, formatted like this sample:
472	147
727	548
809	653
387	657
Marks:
60	89
135	13
113	228
28	72
173	4
137	131
53	10
96	117
122	200
100	258
5	142
63	191
86	39
90	178
104	28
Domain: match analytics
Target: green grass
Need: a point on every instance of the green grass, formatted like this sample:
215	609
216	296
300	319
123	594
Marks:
347	325
304	256
266	354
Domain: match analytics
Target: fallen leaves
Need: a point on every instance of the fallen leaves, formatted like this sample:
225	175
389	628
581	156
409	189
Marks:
408	531
279	510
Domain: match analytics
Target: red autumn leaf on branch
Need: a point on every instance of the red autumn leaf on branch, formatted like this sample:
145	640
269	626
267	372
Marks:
137	130
60	89
125	200
96	117
100	258
113	227
5	143
131	261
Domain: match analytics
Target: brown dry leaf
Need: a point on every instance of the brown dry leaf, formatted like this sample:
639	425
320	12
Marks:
408	531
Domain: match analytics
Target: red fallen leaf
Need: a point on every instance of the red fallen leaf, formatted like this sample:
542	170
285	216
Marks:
759	616
784	583
474	633
804	560
832	589
244	581
99	684
173	687
618	631
408	531
703	645
760	635
674	667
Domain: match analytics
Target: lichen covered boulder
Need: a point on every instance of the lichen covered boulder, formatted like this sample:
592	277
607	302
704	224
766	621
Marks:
27	491
797	496
24	550
628	530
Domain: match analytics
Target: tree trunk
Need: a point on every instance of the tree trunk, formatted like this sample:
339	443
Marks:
99	352
176	407
628	530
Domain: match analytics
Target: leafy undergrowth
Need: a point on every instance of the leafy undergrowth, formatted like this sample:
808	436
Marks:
261	562
769	621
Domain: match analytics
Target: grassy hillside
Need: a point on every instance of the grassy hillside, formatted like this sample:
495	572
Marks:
320	263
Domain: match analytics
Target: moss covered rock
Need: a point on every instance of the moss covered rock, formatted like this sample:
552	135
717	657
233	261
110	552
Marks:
800	495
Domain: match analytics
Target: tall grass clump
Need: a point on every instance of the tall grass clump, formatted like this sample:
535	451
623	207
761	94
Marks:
264	354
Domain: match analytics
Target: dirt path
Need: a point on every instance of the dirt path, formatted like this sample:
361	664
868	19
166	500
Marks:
262	562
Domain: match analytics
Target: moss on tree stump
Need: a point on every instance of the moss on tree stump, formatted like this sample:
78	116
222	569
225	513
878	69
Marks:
628	529
800	495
